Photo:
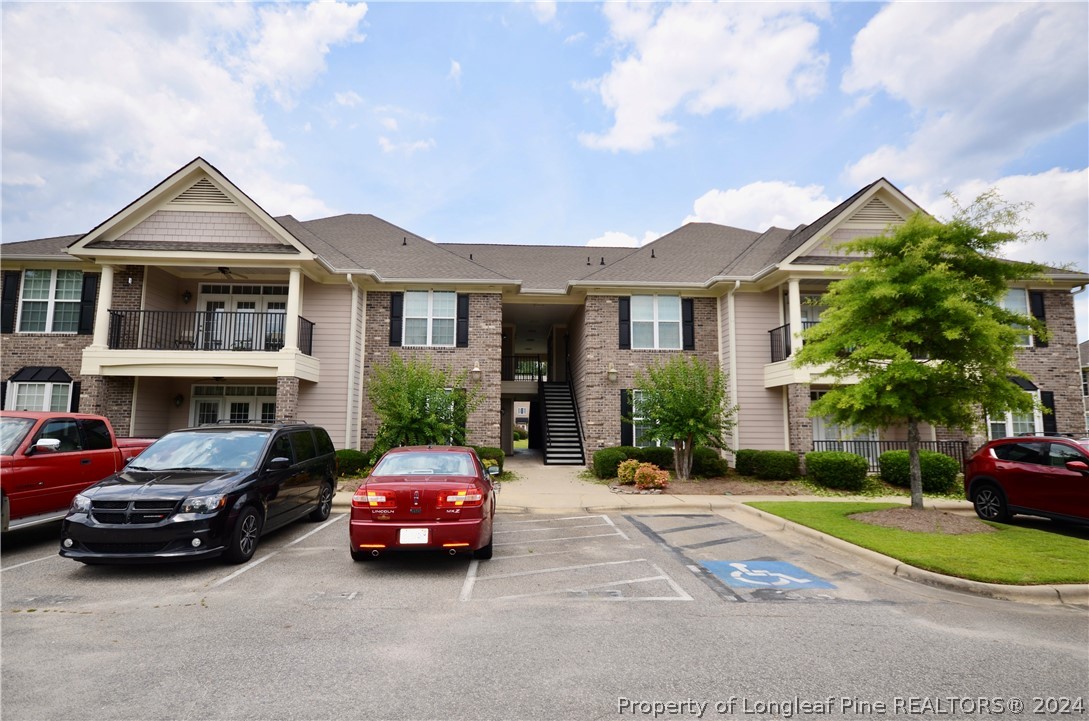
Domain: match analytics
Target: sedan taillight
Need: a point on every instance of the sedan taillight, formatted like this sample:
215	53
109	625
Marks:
374	499
465	497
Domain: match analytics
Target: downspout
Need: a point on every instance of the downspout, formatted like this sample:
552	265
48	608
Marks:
736	435
353	371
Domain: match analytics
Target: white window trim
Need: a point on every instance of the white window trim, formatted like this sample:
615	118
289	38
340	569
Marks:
636	425
1007	421
846	433
12	396
1024	310
430	318
218	394
50	303
656	322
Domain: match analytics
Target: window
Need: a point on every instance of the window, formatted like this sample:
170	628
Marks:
50	301
430	318
1085	383
96	434
640	427
825	429
65	431
303	443
1016	424
1017	301
656	322
237	404
41	396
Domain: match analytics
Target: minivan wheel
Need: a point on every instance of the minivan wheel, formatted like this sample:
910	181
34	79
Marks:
325	503
247	531
989	503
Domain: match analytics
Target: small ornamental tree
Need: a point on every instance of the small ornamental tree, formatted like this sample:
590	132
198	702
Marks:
418	404
918	323
685	401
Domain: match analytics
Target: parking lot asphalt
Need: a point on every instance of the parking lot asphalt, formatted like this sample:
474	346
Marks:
542	489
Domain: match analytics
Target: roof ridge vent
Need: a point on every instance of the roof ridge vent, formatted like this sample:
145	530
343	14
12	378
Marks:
202	192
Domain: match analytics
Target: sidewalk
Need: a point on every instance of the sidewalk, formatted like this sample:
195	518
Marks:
559	489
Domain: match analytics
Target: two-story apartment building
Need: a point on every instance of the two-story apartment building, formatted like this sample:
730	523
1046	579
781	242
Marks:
192	304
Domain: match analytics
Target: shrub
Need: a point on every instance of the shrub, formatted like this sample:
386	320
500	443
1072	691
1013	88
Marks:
707	463
631	452
745	461
625	472
351	462
939	470
496	454
776	465
649	476
519	434
606	460
488	463
837	469
661	456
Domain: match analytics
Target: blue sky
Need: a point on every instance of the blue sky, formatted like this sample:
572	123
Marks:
558	123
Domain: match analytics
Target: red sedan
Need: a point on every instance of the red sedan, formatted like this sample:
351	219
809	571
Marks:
424	498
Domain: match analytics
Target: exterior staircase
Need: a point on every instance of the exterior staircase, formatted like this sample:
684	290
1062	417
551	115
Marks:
563	440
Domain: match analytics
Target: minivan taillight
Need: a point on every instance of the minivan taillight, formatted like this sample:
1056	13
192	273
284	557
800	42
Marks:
461	498
374	499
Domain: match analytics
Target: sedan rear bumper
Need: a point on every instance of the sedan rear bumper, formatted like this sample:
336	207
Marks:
462	535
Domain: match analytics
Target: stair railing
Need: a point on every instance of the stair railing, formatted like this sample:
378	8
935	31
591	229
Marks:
575	405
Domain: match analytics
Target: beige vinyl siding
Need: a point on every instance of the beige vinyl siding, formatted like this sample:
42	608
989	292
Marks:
163	291
761	419
329	308
154	412
206	226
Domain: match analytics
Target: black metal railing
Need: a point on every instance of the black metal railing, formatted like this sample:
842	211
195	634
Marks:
203	330
780	340
872	450
524	368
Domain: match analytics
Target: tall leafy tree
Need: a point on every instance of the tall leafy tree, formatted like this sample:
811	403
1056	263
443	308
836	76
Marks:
916	333
419	404
685	401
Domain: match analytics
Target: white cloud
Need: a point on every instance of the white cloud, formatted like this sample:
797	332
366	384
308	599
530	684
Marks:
407	147
986	82
760	205
544	10
455	72
389	123
616	239
576	38
132	91
348	99
751	58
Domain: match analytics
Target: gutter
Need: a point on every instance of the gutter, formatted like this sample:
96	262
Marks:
352	360
735	437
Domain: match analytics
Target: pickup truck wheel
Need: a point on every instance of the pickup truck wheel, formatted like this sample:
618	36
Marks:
247	531
325	503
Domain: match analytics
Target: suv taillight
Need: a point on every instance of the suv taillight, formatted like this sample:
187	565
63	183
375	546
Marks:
374	499
461	498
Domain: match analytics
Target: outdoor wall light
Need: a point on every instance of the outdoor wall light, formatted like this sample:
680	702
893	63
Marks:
186	297
476	374
611	373
178	400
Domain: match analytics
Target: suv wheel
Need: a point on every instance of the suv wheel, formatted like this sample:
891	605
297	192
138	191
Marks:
247	531
989	502
325	503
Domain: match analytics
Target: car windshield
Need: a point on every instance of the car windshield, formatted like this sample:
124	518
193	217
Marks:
12	432
425	463
201	450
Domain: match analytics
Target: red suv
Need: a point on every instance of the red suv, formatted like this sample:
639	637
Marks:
1039	476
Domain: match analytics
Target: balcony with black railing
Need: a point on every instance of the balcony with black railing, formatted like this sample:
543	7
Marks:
203	331
524	368
781	340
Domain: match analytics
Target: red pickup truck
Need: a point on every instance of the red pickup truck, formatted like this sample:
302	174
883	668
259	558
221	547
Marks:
47	458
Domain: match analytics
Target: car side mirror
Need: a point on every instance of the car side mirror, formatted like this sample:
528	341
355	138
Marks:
47	445
493	471
1078	467
279	463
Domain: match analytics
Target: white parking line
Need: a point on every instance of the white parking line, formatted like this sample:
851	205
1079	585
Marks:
470	581
491	577
618	531
546	530
259	561
27	563
550	520
553	540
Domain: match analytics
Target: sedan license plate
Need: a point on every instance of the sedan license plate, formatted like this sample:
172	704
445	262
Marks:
411	536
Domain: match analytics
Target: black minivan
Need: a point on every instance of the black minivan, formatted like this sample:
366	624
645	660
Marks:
202	492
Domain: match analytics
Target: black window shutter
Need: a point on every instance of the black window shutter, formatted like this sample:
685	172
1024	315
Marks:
688	324
75	398
1036	306
627	433
463	321
396	312
10	300
3	395
87	301
625	323
1047	400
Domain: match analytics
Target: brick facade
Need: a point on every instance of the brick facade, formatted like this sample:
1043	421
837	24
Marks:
485	350
287	398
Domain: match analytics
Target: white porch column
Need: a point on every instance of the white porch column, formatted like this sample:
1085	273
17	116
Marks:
294	300
794	309
102	308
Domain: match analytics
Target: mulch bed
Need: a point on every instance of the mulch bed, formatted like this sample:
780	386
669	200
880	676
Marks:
722	487
928	520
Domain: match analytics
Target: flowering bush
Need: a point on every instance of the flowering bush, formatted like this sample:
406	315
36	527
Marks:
625	472
649	476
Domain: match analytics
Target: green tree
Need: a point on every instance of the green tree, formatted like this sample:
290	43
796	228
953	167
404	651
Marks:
915	332
685	401
419	404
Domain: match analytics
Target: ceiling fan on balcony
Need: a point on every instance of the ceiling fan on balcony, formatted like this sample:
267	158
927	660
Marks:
226	273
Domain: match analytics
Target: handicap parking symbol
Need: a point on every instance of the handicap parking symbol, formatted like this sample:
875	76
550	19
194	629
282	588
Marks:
764	574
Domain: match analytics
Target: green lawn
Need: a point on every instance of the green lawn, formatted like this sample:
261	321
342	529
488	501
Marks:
1013	555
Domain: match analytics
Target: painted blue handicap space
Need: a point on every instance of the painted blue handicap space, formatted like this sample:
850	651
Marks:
764	574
